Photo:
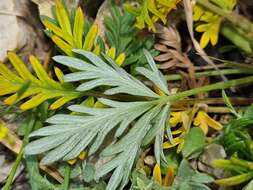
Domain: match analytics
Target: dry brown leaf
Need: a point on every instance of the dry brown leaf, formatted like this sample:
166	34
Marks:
169	45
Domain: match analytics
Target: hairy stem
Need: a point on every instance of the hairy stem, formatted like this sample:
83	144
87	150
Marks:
216	86
65	185
173	77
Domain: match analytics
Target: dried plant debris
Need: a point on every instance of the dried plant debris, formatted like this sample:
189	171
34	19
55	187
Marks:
123	102
169	44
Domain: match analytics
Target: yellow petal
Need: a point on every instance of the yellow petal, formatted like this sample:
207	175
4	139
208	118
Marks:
204	39
204	127
97	50
215	32
214	124
185	119
202	27
198	12
71	162
176	141
83	155
175	118
178	131
180	147
112	52
157	174
201	121
169	178
159	91
200	116
120	59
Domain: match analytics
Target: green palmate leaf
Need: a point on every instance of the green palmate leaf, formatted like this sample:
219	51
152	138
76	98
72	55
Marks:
25	84
68	135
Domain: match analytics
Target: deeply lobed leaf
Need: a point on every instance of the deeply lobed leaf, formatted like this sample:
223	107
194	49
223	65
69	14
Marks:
39	87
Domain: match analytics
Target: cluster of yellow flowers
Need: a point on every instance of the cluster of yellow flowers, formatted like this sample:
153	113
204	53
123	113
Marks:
202	120
150	11
209	23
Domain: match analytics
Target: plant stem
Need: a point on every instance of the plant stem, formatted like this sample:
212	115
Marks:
216	86
236	38
19	156
66	177
13	170
173	77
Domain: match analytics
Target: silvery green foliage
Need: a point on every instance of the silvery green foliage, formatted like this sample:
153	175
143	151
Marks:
101	74
135	123
154	74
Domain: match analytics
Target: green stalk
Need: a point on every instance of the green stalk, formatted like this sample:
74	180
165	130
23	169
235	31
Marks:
19	156
236	38
220	85
13	170
235	180
66	177
173	77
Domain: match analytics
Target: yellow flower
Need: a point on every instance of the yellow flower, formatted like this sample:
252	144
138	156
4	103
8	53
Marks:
3	131
159	91
203	121
179	117
157	175
72	162
119	59
209	22
167	180
178	141
82	156
210	26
